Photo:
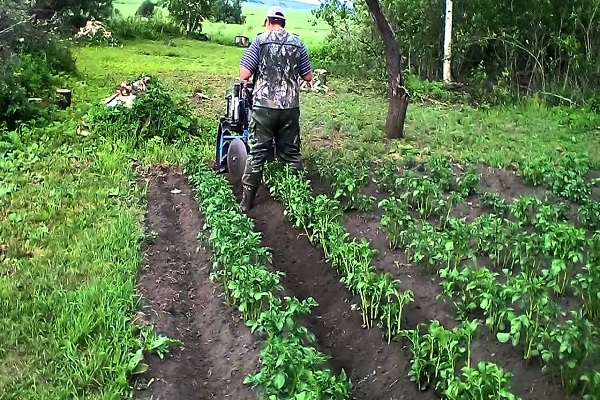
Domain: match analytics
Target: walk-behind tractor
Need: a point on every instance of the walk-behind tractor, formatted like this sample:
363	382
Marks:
232	133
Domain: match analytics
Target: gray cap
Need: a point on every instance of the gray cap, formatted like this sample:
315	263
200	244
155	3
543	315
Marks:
276	12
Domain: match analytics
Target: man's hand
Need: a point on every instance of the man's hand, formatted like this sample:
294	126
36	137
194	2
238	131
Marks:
308	77
245	73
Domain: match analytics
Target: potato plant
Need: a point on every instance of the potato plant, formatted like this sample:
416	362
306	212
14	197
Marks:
495	202
565	177
439	353
569	349
486	381
381	300
587	286
291	368
396	221
537	249
346	179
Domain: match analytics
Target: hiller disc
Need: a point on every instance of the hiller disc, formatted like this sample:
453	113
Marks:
236	159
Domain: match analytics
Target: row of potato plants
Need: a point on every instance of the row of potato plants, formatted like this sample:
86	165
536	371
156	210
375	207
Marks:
430	188
566	177
291	367
433	191
346	181
528	232
382	302
518	308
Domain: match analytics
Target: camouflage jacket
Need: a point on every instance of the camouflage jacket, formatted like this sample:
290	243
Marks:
277	60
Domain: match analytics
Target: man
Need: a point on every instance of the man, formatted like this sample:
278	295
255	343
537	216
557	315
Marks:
276	59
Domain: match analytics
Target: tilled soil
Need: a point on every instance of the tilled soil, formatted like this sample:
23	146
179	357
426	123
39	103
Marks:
378	370
528	381
217	350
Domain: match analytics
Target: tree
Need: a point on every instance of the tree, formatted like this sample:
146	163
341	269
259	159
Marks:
146	9
397	95
73	12
228	11
189	13
446	70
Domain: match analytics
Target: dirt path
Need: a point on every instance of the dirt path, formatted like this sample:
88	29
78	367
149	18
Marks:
217	350
378	370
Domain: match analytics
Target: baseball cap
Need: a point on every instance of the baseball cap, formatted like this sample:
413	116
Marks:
276	12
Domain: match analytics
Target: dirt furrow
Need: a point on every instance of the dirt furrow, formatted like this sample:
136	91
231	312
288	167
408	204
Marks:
378	370
217	350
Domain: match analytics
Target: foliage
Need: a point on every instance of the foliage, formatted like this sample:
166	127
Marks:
153	113
146	9
291	367
435	355
189	14
229	12
32	59
380	298
154	27
69	250
564	176
73	13
535	245
346	178
545	46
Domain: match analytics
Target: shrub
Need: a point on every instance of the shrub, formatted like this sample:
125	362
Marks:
31	60
154	113
154	28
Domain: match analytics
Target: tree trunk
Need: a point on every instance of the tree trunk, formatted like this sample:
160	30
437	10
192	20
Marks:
446	71
398	96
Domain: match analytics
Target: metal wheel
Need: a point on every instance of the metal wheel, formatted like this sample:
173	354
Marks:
237	155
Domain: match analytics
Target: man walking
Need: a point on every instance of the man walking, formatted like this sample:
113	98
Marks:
276	59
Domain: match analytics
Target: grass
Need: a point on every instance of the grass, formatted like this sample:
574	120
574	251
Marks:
70	232
300	22
497	136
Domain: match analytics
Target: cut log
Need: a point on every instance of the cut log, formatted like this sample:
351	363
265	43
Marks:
63	98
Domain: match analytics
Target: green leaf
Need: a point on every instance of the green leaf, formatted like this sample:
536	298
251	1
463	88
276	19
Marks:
279	380
140	369
503	337
484	303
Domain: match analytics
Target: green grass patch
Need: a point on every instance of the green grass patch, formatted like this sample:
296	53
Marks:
496	136
70	233
352	114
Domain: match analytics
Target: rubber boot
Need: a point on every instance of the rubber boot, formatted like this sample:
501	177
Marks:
248	196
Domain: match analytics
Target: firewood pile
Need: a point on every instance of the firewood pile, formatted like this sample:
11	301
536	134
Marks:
318	84
92	28
127	88
127	91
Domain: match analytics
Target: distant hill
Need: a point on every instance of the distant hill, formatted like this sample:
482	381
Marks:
290	4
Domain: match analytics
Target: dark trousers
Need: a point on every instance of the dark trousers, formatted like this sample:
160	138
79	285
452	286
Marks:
267	124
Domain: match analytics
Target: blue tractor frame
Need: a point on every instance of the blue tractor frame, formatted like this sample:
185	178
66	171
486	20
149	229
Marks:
233	128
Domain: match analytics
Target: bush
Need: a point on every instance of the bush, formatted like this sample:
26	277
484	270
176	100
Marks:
154	28
32	59
154	113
